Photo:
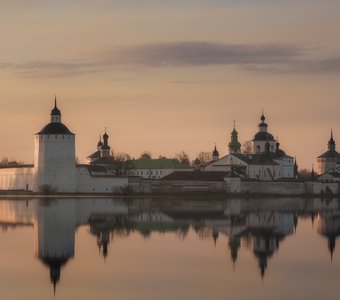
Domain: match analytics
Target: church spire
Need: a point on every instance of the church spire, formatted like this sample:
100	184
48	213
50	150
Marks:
55	113
263	125
331	142
215	154
234	145
105	149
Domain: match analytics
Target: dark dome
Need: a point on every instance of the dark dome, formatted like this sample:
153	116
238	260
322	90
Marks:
280	153
263	136
55	128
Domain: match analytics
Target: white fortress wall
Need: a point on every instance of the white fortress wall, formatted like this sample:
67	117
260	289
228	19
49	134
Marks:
87	183
16	178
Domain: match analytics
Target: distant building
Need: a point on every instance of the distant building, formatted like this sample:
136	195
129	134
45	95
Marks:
102	156
329	159
267	162
157	168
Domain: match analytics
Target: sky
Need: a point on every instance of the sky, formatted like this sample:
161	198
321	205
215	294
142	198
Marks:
167	76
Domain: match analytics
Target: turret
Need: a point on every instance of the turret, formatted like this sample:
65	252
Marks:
100	143
105	149
234	145
263	126
215	154
331	143
55	113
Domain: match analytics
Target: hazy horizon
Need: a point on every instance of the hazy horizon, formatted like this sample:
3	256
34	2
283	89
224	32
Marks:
166	77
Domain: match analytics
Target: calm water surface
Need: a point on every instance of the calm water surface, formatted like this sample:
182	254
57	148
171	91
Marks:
169	249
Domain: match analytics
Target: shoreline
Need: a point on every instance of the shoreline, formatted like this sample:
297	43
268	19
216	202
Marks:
24	195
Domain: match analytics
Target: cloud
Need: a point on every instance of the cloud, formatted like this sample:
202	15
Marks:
275	58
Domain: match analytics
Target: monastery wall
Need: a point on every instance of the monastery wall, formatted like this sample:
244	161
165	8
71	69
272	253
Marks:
234	185
16	178
176	186
87	183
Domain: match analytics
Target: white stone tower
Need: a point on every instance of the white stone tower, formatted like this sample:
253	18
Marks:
54	157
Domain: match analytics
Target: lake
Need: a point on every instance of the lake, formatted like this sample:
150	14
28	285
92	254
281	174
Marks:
169	248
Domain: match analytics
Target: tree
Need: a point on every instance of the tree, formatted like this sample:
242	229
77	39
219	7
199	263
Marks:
204	158
183	157
247	147
304	174
146	155
122	163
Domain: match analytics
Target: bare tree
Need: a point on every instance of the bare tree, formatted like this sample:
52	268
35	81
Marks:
183	157
121	164
304	174
204	158
145	155
247	147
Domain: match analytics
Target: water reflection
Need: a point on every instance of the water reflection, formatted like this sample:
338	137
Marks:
258	225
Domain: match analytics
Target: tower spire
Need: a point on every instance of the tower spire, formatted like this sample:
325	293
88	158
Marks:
55	113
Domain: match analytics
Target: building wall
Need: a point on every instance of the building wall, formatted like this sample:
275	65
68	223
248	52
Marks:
16	178
288	188
287	167
264	172
98	184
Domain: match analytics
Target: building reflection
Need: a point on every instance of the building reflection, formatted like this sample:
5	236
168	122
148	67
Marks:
255	225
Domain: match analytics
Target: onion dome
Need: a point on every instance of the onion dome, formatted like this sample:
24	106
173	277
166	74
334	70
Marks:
279	152
100	143
234	145
263	121
105	145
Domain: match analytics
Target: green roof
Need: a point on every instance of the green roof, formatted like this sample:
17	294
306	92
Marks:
161	163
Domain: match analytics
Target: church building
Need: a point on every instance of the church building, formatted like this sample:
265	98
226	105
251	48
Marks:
267	161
